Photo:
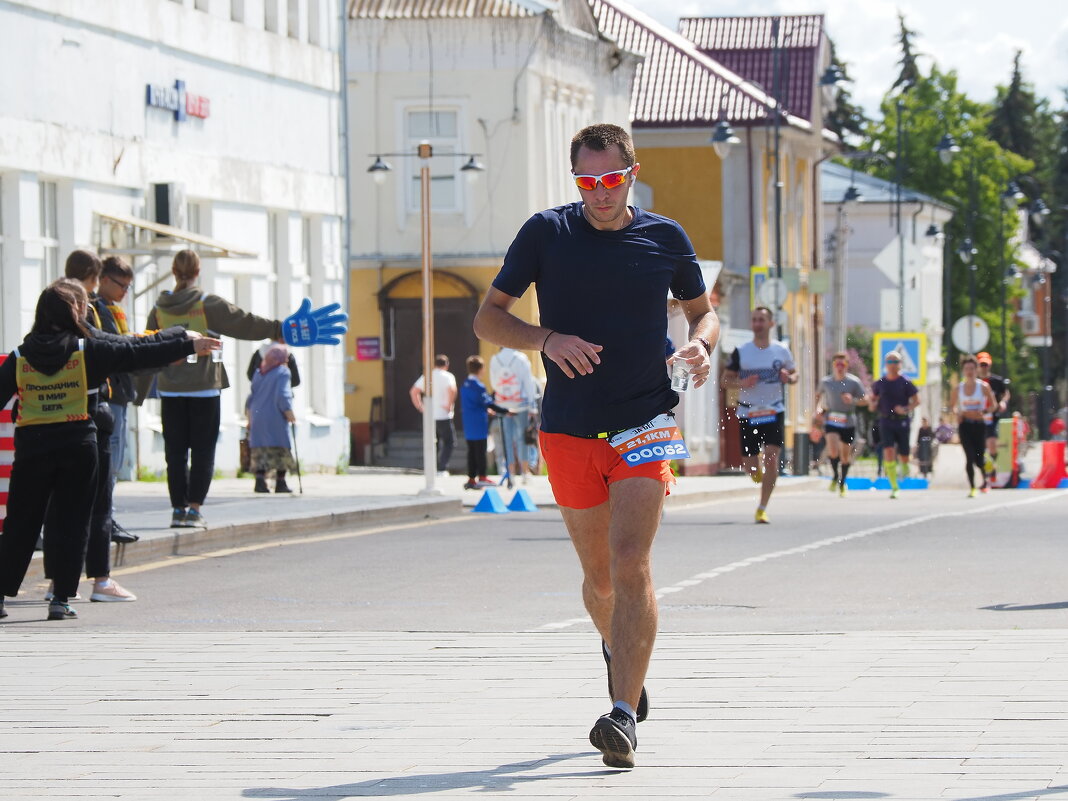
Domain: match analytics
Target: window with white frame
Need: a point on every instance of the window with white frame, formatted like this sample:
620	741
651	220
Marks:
49	229
441	129
271	17
237	10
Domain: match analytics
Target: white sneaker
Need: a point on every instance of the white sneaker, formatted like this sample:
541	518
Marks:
111	590
443	474
51	593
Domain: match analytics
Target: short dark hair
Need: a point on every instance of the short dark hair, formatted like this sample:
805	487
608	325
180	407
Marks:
967	359
475	364
840	355
441	360
771	314
117	267
82	265
601	137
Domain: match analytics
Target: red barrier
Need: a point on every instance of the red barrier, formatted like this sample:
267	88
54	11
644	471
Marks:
1052	466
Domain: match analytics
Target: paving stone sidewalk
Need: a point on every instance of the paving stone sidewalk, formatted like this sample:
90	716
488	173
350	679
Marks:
969	716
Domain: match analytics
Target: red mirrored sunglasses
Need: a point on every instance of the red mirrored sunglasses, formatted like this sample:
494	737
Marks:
610	180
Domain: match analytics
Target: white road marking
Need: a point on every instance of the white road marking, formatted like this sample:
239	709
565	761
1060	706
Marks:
700	578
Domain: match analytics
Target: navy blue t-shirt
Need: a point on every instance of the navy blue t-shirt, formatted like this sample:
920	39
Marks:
609	288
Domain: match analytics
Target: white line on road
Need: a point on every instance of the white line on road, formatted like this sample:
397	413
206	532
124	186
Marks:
700	578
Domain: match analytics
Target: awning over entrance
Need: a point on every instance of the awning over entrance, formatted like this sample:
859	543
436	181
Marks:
131	236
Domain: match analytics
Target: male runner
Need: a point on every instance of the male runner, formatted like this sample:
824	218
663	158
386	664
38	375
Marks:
837	397
758	369
1002	396
894	396
602	270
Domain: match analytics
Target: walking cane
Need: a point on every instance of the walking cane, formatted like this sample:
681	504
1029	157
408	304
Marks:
296	456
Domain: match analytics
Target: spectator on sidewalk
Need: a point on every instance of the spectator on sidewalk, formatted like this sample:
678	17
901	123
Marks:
270	412
443	387
477	405
85	267
190	392
116	277
513	388
57	372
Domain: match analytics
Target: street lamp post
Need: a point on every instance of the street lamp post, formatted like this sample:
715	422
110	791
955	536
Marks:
378	171
1013	195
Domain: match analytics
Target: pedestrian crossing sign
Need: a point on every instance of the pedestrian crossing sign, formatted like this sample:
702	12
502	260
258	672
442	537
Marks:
913	349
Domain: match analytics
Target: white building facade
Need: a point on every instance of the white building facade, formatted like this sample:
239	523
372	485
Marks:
219	118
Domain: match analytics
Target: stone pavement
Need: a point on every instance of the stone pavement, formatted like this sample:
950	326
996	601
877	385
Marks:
91	714
361	497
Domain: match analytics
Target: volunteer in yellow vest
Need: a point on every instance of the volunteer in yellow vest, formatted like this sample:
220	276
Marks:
57	372
190	392
85	266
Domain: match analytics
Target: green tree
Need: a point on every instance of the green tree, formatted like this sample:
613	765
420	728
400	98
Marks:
846	119
909	74
1013	122
972	183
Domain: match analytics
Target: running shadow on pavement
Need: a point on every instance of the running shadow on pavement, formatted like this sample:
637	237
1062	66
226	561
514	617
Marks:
499	779
1022	795
1026	607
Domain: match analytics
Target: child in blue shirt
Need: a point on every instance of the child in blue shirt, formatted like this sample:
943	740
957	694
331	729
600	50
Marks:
475	401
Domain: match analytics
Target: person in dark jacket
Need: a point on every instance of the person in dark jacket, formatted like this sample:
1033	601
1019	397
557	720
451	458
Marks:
57	372
257	359
85	267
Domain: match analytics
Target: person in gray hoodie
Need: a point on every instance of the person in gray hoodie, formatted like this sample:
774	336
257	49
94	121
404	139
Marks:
190	391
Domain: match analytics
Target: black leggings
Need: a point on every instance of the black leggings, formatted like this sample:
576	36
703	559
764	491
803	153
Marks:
190	431
476	458
972	435
67	478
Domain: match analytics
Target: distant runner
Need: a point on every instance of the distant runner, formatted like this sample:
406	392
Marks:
837	397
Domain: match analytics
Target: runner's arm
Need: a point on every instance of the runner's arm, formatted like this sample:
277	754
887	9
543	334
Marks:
494	322
704	324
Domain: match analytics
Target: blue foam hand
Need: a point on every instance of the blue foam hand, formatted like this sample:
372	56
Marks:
323	326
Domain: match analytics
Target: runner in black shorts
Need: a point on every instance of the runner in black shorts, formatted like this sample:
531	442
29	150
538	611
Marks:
758	369
895	397
837	395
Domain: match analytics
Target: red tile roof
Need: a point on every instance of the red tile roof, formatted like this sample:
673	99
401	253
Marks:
677	85
745	45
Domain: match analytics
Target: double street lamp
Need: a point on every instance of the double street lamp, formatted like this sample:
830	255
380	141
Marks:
378	171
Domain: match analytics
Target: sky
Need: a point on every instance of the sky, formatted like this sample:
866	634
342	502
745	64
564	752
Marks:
977	38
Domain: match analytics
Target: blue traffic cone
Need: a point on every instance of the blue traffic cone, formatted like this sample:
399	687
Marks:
522	502
491	503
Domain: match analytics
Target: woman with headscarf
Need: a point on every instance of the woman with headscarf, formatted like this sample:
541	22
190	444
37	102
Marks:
57	372
270	411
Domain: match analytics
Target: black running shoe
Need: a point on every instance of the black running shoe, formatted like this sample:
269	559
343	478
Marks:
3	612
60	611
643	701
614	736
121	535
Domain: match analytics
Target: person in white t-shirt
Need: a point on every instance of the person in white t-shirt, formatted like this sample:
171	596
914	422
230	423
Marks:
443	388
513	387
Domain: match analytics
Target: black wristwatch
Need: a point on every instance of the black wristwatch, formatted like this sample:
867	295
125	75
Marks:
706	343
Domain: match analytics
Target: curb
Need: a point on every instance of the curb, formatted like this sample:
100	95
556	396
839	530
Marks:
189	541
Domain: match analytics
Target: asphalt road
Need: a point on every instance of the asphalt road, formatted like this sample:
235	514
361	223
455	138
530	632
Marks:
932	560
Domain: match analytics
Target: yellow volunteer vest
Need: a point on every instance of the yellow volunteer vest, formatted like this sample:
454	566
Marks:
59	398
193	319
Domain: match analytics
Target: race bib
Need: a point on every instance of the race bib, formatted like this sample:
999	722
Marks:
988	418
838	419
758	417
655	441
